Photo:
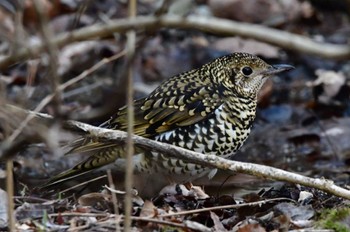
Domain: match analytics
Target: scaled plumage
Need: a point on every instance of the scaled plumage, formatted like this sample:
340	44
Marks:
208	110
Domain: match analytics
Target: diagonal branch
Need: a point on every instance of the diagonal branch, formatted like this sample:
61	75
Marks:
212	25
212	161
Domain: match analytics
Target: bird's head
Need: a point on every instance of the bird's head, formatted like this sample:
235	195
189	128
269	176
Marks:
244	74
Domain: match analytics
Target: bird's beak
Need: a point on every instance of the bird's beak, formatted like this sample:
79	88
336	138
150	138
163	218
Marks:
278	68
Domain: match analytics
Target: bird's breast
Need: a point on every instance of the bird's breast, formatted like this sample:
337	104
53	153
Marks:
216	134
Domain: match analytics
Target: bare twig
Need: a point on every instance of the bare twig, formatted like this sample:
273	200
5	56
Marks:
213	161
145	219
185	225
47	36
212	25
114	200
77	214
235	206
10	194
129	167
81	10
60	88
82	184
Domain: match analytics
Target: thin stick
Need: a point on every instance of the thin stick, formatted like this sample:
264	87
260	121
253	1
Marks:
83	183
114	200
158	221
60	88
145	219
10	194
52	50
129	167
235	206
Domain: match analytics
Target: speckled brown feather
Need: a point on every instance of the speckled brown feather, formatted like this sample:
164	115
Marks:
208	110
164	110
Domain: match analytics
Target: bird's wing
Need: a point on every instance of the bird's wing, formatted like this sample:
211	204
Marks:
162	112
181	101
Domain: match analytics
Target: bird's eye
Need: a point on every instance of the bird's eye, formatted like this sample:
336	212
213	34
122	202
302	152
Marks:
247	70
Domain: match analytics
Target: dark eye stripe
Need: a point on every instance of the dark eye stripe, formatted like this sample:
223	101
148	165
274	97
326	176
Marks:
247	70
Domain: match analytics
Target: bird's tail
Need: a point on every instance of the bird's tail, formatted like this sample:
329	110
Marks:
102	154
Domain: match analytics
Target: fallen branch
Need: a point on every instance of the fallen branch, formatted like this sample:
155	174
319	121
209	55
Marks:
212	25
213	161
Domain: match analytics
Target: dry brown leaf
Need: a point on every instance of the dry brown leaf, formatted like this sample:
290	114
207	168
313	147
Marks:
148	210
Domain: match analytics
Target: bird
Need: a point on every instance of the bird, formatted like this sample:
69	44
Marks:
209	110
